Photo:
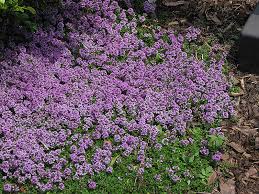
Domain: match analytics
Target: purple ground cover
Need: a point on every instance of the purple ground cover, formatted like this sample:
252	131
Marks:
88	76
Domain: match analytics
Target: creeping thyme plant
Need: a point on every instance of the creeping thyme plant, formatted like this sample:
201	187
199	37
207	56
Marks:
99	100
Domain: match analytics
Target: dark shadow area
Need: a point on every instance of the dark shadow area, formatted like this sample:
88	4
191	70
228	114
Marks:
248	55
17	33
248	52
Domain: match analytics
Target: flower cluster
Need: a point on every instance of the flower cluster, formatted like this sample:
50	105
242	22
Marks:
192	33
89	82
150	6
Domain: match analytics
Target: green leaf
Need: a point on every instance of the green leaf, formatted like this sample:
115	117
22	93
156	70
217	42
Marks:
2	1
191	159
30	9
160	128
196	154
201	176
203	171
18	9
114	160
209	169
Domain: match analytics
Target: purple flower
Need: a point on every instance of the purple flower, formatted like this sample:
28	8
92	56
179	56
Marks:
141	171
157	177
217	156
187	173
192	33
91	184
175	178
109	169
7	187
142	19
204	151
184	142
149	7
158	146
61	186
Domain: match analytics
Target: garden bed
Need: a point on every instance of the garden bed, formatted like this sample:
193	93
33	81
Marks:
103	100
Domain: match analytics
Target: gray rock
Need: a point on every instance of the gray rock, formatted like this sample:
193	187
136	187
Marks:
249	44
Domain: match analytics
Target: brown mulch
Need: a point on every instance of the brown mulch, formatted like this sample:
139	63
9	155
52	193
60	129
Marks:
225	19
242	134
238	7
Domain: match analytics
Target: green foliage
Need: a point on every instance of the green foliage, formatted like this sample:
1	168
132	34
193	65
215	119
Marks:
205	174
146	35
17	13
215	141
235	89
201	50
15	6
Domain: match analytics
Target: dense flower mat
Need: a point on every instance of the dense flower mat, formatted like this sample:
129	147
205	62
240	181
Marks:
99	73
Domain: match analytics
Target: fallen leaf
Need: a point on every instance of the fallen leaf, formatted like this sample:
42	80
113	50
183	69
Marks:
215	192
234	80
247	130
252	171
173	23
225	157
255	122
213	177
22	190
234	94
237	147
228	27
247	155
173	3
183	21
257	143
255	110
214	18
228	187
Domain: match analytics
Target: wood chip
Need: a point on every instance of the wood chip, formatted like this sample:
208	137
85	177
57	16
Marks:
237	147
214	18
173	23
171	3
247	155
213	177
242	83
215	191
228	27
228	187
225	157
248	131
257	143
